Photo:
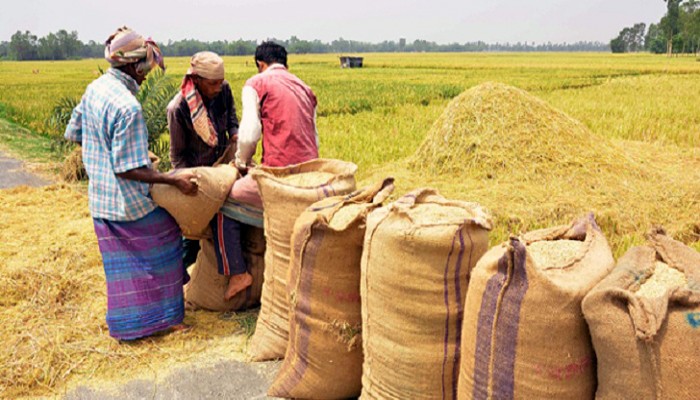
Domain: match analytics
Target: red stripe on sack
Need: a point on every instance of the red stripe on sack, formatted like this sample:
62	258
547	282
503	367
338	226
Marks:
222	250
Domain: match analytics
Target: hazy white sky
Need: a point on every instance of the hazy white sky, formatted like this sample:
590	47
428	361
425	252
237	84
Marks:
442	21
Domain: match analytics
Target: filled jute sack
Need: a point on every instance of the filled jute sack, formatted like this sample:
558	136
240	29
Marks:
418	254
524	336
193	213
324	352
644	321
286	192
206	287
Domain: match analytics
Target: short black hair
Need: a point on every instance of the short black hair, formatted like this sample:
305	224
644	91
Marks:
271	52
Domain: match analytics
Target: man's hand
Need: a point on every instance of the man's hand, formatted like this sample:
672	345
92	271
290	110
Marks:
186	182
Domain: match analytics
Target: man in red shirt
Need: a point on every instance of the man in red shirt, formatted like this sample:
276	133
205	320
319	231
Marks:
281	109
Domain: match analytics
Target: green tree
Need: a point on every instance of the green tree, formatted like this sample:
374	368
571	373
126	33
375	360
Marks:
671	26
23	46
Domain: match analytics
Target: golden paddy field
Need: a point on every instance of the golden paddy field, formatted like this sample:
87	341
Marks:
618	135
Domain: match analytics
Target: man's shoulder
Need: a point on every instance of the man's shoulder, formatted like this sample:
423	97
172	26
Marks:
176	103
113	94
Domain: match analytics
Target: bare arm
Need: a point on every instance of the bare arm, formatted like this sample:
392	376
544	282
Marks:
181	180
250	130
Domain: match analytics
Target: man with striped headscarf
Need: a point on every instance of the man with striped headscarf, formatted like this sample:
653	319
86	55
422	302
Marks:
139	242
202	122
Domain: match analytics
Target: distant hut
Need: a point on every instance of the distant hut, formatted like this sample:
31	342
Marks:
350	62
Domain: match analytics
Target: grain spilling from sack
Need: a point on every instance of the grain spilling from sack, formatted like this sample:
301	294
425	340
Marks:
206	287
283	203
524	335
644	320
324	355
193	213
418	254
664	278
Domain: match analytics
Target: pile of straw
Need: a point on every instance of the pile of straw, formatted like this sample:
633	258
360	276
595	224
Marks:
533	166
53	304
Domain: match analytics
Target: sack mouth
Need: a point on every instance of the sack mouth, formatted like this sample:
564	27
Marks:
340	170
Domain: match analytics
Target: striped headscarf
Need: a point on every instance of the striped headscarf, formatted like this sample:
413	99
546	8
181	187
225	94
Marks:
125	46
206	65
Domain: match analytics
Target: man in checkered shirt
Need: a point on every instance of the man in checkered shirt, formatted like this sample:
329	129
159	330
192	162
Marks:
139	241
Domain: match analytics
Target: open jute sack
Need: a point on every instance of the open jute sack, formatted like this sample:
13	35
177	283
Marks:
206	287
324	354
644	321
193	213
418	254
524	334
286	192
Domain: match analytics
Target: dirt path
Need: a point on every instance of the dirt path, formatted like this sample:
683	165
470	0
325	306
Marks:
231	380
13	174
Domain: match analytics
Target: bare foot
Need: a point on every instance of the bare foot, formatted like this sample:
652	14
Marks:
237	283
180	328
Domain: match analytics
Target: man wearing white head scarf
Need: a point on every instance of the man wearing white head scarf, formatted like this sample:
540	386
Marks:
202	122
139	241
202	116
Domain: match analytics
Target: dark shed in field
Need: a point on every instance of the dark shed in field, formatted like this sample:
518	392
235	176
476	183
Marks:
350	62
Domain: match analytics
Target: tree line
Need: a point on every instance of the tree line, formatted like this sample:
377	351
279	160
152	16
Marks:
678	32
64	45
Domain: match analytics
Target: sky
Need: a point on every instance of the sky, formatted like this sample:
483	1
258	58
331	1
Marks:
441	21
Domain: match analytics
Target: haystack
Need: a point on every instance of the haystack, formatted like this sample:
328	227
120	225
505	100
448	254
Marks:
533	166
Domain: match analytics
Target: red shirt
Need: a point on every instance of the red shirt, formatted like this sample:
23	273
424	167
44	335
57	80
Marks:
287	107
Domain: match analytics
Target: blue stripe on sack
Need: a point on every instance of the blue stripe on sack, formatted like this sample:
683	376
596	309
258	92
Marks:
447	312
459	299
484	331
507	326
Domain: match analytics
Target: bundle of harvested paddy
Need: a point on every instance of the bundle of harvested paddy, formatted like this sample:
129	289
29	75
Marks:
534	166
416	263
53	304
283	202
72	169
524	335
644	321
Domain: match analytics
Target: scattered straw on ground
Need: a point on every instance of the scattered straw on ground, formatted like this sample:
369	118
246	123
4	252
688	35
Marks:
553	253
663	279
307	179
533	166
53	304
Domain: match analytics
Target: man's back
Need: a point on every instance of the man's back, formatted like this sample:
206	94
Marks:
287	113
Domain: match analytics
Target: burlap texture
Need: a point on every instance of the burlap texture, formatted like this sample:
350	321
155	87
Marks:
647	348
524	334
282	204
193	213
415	274
206	287
324	355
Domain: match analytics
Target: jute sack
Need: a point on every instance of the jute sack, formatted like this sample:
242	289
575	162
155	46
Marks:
286	192
193	213
644	320
418	254
324	354
524	334
206	287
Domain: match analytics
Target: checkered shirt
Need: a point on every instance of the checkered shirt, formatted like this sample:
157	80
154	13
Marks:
109	124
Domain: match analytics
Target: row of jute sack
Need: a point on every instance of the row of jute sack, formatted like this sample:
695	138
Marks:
404	301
